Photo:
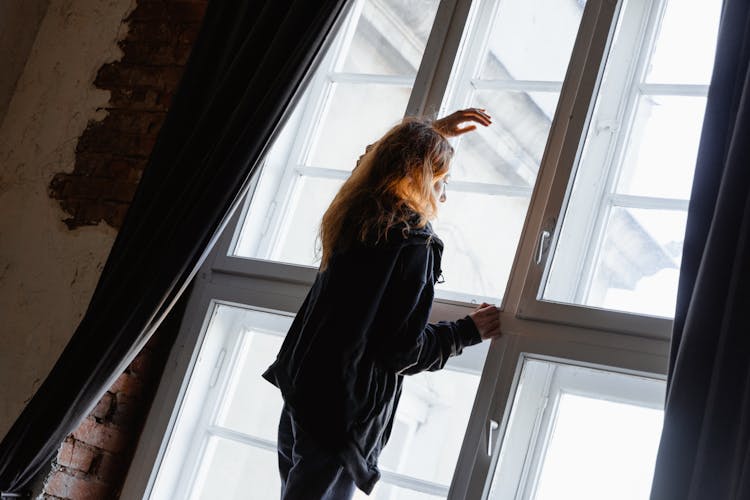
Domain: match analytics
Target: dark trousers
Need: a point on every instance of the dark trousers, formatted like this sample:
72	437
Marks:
307	471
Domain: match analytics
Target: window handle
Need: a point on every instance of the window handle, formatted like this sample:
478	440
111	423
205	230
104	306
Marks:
493	425
542	246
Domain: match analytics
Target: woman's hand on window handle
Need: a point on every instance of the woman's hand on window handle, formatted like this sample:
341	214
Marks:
450	126
486	317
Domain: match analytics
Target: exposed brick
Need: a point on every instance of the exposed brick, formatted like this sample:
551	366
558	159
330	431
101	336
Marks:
146	99
105	407
76	455
128	410
111	467
104	436
134	122
122	75
143	364
110	158
182	12
62	484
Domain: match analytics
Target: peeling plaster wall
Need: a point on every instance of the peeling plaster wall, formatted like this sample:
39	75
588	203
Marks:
47	272
19	22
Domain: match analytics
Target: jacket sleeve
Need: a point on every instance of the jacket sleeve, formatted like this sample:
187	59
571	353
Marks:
408	344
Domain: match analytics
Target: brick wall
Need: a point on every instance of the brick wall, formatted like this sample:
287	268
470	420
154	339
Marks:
110	156
112	153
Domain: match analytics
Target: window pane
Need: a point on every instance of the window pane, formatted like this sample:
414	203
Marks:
358	115
639	154
510	150
223	395
684	51
600	449
298	232
336	118
480	232
495	168
638	267
390	37
235	471
293	238
245	388
662	148
430	425
579	433
531	39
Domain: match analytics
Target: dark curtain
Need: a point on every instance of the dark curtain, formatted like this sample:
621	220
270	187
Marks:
246	69
705	446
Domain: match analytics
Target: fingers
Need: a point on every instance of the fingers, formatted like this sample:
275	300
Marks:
487	320
478	115
450	125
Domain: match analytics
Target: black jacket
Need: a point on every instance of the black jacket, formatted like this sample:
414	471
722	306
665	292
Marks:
361	328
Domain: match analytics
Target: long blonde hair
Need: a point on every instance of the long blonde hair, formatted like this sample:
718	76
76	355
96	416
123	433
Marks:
392	186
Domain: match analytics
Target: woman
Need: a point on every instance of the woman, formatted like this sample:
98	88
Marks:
363	325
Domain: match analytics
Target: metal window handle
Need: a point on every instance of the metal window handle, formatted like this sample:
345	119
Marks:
543	246
493	425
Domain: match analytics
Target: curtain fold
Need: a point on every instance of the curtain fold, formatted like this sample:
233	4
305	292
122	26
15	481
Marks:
705	445
246	68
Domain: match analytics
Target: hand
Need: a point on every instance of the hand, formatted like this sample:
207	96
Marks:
449	126
486	317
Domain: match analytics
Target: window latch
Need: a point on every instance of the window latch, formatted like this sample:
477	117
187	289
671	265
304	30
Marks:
543	243
542	246
493	425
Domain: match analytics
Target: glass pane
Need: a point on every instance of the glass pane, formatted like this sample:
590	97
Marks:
531	39
245	387
579	433
638	267
430	425
510	150
333	123
240	343
233	470
390	37
357	115
300	229
686	43
480	232
600	449
663	144
293	238
639	152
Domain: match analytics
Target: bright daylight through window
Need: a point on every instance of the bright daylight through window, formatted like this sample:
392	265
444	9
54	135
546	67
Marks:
579	433
563	409
621	239
233	438
516	56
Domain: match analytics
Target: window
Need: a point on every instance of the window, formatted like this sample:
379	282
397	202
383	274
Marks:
359	92
568	211
224	437
637	162
578	432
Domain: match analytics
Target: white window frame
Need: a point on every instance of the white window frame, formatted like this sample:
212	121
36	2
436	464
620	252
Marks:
611	340
565	148
534	413
209	384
